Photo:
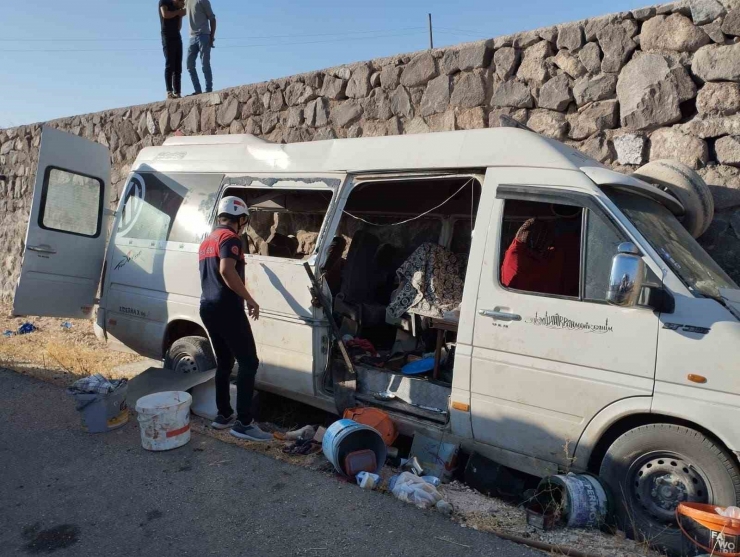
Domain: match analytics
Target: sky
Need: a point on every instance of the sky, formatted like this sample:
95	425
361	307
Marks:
77	56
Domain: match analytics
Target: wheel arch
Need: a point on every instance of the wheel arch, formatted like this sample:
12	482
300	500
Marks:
179	328
627	422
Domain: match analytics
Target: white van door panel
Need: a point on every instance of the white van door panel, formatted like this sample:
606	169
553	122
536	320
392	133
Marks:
290	331
543	366
67	228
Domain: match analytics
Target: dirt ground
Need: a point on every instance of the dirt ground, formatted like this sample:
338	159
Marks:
61	355
55	352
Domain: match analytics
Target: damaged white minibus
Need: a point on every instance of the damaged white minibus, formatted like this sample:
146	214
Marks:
501	290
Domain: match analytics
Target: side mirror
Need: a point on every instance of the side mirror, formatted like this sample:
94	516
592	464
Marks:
625	281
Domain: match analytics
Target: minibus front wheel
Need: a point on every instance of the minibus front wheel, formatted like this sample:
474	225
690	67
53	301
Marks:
190	355
651	469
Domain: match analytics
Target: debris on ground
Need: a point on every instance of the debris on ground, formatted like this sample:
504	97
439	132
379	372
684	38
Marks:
26	328
57	354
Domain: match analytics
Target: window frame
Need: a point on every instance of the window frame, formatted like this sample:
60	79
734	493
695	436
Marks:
44	195
332	189
546	194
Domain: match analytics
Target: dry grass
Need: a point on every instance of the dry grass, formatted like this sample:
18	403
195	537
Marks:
55	353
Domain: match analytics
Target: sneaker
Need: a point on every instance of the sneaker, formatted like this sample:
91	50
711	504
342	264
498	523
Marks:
222	422
170	95
250	432
176	96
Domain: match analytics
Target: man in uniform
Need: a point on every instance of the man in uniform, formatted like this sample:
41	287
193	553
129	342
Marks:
221	262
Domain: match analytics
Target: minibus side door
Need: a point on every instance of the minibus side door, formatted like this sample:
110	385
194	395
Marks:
67	228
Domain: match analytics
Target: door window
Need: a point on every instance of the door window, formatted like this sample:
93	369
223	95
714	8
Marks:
283	223
71	203
557	249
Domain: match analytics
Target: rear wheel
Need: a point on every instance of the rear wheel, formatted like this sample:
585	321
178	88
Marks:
190	355
653	468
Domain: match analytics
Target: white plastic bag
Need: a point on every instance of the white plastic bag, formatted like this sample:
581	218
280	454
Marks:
729	512
412	489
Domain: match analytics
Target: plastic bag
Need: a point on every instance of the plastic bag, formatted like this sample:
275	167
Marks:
412	489
729	512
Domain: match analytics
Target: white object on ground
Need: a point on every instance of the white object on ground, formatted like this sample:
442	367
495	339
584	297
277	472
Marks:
204	399
412	489
367	480
306	432
164	420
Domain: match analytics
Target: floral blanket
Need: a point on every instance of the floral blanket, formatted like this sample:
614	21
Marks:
432	280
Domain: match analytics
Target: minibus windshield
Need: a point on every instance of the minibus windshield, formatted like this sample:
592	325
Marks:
698	271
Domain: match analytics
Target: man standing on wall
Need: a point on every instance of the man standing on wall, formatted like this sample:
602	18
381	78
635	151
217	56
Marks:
171	13
221	262
202	39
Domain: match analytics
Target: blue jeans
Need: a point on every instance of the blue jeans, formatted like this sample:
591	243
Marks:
200	44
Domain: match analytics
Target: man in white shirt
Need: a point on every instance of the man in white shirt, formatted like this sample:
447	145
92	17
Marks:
202	39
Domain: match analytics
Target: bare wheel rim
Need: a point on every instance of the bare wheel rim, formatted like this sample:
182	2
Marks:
659	481
185	364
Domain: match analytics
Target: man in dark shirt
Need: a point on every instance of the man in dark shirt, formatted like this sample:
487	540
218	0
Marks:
171	13
221	262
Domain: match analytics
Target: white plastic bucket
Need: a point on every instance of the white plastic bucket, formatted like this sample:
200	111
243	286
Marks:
346	436
164	420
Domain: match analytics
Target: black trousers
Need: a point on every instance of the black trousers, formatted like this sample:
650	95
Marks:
231	337
172	64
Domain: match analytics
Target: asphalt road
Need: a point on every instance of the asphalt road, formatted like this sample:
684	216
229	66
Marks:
65	492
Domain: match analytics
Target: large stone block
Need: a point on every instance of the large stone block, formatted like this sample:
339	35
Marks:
346	113
590	57
444	122
228	111
471	119
127	134
720	98
728	150
469	91
705	11
401	103
570	36
668	143
533	67
617	44
549	123
419	71
449	64
377	106
506	61
630	148
475	56
593	118
513	94
714	31
569	63
416	125
390	77
358	86
208	120
598	147
674	32
731	24
587	89
648	93
717	63
436	96
334	88
556	93
521	115
707	126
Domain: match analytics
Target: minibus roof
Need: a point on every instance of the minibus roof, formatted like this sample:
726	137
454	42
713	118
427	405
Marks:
470	149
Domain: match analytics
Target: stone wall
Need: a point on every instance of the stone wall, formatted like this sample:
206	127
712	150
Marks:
658	82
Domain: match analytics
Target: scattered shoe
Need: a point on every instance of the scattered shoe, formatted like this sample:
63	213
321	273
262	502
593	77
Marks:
222	422
250	432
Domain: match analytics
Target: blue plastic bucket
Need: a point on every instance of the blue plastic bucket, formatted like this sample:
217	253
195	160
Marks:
348	436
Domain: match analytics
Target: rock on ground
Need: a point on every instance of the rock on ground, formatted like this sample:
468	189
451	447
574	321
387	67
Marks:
674	32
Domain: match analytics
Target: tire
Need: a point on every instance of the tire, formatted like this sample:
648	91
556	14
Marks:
641	469
190	355
687	186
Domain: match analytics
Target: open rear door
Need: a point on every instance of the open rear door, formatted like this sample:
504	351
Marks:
67	229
